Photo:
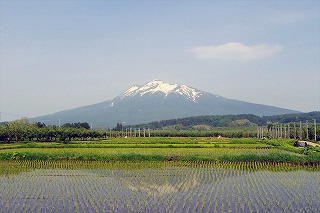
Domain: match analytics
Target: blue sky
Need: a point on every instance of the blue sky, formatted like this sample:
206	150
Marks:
57	55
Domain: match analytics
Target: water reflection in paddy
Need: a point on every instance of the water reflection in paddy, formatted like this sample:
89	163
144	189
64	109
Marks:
163	187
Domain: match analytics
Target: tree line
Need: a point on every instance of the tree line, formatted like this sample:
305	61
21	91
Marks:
231	120
22	130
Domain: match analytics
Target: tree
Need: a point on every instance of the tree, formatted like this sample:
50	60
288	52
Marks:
119	127
40	125
85	125
18	129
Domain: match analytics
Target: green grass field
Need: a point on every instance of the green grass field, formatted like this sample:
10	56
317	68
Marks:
160	149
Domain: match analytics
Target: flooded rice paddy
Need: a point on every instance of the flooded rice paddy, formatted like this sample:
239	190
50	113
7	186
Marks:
158	187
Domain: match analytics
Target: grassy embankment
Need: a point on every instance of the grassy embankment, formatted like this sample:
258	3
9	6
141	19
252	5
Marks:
164	149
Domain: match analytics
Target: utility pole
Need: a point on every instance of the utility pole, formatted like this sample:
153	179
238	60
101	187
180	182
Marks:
59	122
295	131
122	133
274	132
315	130
300	131
307	132
285	131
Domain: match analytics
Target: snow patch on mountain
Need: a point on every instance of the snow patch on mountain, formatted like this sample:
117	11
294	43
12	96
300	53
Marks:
130	91
166	88
157	86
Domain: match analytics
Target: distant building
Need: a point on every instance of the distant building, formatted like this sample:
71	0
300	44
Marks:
300	144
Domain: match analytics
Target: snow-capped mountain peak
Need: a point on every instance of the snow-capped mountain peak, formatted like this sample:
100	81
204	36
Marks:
157	100
166	88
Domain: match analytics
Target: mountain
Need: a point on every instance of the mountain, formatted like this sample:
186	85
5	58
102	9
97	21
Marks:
157	100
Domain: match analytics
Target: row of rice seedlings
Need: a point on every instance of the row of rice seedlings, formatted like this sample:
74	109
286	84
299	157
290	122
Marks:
285	191
102	153
8	167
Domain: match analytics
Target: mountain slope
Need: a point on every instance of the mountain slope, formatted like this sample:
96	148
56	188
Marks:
231	120
158	100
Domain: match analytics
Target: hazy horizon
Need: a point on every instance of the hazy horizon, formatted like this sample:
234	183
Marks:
59	55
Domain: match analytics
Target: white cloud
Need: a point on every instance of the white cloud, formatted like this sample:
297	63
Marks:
236	52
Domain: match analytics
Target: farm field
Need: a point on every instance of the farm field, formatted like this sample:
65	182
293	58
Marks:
159	149
96	186
159	175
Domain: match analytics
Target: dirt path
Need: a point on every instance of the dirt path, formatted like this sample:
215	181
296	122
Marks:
312	144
